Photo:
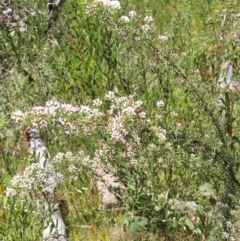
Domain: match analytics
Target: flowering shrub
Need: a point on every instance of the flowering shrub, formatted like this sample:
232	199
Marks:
147	109
133	147
119	124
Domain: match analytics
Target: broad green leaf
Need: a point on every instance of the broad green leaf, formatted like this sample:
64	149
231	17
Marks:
134	227
143	222
189	224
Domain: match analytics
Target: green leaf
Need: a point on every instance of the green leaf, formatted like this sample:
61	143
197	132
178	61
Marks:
134	227
125	220
143	222
82	190
189	224
161	199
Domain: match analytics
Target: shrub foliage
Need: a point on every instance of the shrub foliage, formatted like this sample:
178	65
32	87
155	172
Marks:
131	87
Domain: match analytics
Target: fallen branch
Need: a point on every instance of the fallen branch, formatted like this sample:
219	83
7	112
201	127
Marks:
103	186
52	8
55	229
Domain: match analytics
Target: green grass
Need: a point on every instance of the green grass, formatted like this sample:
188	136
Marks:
81	59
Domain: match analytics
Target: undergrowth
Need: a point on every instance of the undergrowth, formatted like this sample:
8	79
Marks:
142	86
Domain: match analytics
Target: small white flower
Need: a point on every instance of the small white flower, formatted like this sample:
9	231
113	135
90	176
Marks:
137	39
225	235
232	212
39	123
163	38
97	102
53	106
110	95
17	116
132	14
38	110
142	115
67	108
160	103
72	168
133	162
59	157
168	145
108	3
173	113
148	19
229	224
145	27
10	192
179	125
160	133
160	160
124	19
152	65
114	4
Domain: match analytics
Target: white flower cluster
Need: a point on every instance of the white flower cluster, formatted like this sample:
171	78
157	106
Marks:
160	133
75	162
57	110
34	177
145	27
132	14
160	103
121	108
163	38
81	159
97	102
91	8
148	19
123	122
39	123
18	116
109	3
124	19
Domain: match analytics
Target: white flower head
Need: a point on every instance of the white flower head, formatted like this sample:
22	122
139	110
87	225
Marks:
114	4
39	123
110	95
97	102
124	19
37	110
132	14
17	116
163	38
148	19
108	3
145	27
160	103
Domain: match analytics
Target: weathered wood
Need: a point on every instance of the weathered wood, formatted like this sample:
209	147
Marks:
55	229
52	8
103	186
225	79
226	75
6	2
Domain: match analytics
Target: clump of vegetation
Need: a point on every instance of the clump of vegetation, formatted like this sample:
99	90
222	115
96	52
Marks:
131	87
